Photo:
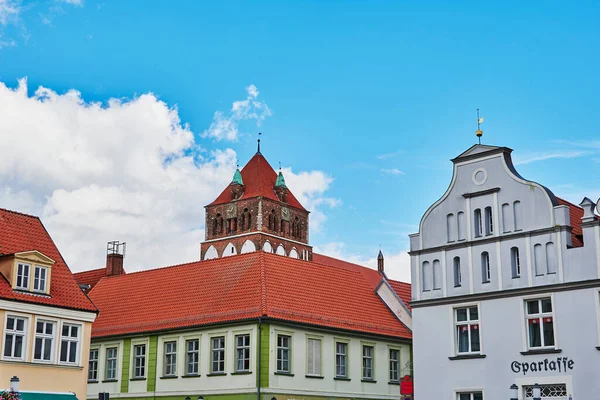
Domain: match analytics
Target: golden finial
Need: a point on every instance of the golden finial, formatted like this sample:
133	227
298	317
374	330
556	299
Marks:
479	132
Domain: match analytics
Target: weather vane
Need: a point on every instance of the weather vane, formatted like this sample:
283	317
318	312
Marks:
479	132
259	133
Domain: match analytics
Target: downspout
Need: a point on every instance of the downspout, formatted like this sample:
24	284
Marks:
259	351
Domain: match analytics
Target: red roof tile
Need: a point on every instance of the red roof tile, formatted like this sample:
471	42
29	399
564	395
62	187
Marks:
576	215
259	180
403	290
91	277
21	232
242	287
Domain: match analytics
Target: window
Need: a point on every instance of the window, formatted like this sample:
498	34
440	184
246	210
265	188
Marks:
517	215
550	258
477	221
283	353
93	366
538	255
489	221
218	355
69	342
367	367
242	353
22	276
394	365
44	337
39	278
467	330
170	367
450	227
426	276
470	396
556	391
111	364
515	262
506	218
341	359
460	217
437	274
485	267
192	348
14	337
139	361
457	274
314	357
540	323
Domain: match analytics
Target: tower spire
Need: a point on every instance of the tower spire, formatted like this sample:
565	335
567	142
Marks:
258	151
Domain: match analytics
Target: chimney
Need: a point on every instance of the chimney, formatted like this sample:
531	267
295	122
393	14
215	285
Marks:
588	210
380	262
115	252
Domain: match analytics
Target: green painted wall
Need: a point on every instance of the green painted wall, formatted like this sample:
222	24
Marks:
152	351
265	334
125	366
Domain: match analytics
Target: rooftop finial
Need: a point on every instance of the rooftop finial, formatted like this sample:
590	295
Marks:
479	132
280	165
259	133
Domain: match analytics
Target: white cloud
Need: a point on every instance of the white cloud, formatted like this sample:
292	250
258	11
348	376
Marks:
72	2
387	156
396	265
126	170
530	158
226	126
9	11
392	171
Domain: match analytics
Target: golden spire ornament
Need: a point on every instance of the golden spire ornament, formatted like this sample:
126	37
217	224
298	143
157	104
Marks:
479	132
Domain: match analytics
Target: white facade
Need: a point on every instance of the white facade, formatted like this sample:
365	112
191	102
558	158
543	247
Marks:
502	289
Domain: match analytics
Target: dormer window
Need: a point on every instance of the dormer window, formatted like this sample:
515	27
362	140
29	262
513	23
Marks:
39	279
23	276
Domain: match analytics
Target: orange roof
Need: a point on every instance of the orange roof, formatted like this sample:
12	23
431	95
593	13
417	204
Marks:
21	232
403	290
576	214
91	277
242	287
259	180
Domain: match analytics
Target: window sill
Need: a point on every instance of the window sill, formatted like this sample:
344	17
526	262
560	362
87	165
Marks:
284	373
314	376
457	286
109	380
38	364
169	377
139	378
394	383
466	357
191	376
483	282
517	277
541	351
241	373
93	381
368	380
217	374
598	348
341	378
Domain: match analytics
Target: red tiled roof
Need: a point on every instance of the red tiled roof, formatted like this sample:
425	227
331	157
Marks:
91	277
21	232
576	215
242	287
259	180
403	290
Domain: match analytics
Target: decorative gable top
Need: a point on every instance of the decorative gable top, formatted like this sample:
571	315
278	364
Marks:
35	257
478	150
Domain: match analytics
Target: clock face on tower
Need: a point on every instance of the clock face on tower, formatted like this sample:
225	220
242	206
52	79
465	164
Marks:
285	214
231	211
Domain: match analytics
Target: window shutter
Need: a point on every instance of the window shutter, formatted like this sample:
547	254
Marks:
311	357
317	357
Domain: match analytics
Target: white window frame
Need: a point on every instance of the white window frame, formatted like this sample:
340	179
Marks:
186	341
343	356
540	316
370	357
44	337
470	392
136	357
106	361
468	323
486	272
489	220
172	353
478	223
46	271
14	332
70	339
457	272
311	369
97	361
397	361
515	262
23	276
245	349
280	350
222	359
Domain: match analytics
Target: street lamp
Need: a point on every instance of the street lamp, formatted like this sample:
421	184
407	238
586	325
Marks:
14	384
537	392
514	392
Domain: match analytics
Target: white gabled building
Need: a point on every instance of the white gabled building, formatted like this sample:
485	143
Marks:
506	282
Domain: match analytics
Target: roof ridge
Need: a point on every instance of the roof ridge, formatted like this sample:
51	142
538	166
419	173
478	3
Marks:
89	270
568	202
339	266
19	213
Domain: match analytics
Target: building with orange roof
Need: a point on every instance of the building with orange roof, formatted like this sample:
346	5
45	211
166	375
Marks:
259	316
45	318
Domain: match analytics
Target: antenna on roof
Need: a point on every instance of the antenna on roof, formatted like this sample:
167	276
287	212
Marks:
259	133
479	132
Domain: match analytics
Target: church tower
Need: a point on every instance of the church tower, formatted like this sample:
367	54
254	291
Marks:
257	211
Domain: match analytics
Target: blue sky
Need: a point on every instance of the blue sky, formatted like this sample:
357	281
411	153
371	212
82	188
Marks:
376	95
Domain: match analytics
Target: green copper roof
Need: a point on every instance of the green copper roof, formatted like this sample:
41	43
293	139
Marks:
237	177
280	181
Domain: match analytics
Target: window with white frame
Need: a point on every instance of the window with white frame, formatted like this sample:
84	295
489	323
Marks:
170	359
23	276
314	357
489	221
69	343
139	361
478	223
341	359
540	323
457	273
110	373
367	361
515	262
485	267
394	365
469	396
40	275
14	337
466	323
93	366
218	355
283	353
242	353
551	391
192	349
44	339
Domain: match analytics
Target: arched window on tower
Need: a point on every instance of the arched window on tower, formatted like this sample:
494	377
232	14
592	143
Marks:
243	221
485	267
215	221
457	273
219	224
515	262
